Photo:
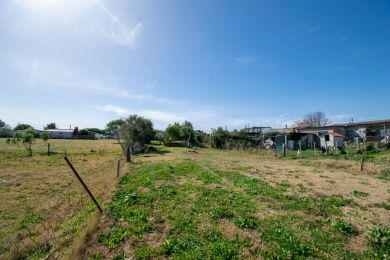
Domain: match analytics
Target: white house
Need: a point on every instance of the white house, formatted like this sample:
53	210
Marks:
60	133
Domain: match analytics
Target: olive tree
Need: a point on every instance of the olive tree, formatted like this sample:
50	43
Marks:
135	132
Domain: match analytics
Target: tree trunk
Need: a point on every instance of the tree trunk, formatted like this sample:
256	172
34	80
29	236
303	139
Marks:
128	155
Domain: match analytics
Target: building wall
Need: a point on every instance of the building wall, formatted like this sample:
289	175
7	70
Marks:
60	135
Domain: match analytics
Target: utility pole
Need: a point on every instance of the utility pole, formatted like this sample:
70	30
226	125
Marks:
285	143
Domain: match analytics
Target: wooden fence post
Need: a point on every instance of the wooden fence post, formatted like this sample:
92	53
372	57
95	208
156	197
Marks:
362	163
48	149
117	169
82	182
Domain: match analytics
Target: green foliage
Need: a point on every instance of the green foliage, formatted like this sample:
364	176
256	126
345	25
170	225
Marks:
114	125
115	237
95	130
379	237
95	256
144	252
21	127
385	174
28	220
219	137
45	136
136	129
221	212
358	193
120	256
248	222
2	124
195	211
180	132
26	137
51	126
342	226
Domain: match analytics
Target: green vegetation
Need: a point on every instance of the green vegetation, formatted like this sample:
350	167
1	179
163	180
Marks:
385	174
179	195
28	220
358	193
379	238
180	132
343	226
26	137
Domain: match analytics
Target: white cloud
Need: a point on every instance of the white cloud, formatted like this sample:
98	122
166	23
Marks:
87	18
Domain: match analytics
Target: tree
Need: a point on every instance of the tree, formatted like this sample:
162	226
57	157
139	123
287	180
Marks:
172	133
45	136
21	127
2	124
50	126
136	131
114	125
181	132
219	137
26	137
95	130
314	119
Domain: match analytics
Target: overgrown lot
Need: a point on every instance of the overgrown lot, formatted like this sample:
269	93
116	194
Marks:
44	211
222	204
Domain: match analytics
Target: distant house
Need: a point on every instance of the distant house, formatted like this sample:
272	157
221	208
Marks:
60	133
335	135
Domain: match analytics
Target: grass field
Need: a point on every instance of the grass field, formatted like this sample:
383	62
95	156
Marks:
191	203
44	211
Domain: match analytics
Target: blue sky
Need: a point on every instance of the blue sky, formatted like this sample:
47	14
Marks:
215	63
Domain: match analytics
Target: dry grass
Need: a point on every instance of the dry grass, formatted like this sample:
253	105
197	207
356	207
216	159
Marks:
46	211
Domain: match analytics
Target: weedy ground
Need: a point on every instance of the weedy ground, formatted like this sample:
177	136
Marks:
44	211
205	203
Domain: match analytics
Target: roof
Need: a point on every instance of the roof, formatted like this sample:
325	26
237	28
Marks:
363	123
337	134
59	130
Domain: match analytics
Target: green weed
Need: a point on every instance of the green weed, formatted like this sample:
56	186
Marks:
357	193
379	238
28	220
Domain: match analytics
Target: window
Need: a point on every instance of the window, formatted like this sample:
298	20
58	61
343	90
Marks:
327	138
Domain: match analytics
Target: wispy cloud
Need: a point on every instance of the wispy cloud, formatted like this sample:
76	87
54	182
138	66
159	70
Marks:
54	75
89	18
336	69
154	115
245	59
303	29
121	32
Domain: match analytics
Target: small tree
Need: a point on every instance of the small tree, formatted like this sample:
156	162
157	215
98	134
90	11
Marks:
135	131
21	127
45	136
51	126
26	137
113	127
315	119
181	132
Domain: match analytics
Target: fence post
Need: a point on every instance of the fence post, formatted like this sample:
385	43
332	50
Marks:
362	163
82	182
117	169
48	149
